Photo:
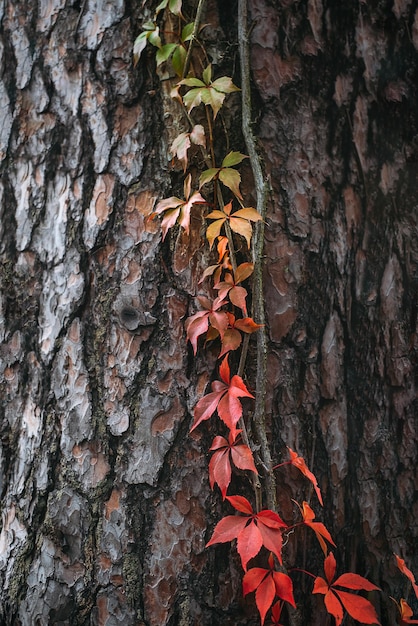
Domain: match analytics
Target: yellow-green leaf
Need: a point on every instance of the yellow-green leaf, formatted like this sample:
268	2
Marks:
231	179
225	85
233	158
179	57
207	176
164	52
186	33
207	74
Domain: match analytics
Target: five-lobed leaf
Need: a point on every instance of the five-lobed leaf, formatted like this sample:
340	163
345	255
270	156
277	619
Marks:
259	529
220	464
336	600
224	398
268	584
177	210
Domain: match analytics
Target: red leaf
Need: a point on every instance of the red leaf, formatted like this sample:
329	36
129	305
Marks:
319	529
299	462
334	607
231	340
225	371
247	325
267	584
227	529
207	405
354	581
220	470
243	458
264	596
276	611
195	326
284	587
330	565
272	539
249	543
252	579
359	608
219	465
240	504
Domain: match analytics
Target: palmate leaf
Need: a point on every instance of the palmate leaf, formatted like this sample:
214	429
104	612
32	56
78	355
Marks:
177	210
240	221
183	142
150	33
336	600
232	338
259	529
224	398
198	324
268	584
220	464
210	93
229	177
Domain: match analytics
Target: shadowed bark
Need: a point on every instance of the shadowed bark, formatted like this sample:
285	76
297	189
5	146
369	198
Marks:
105	501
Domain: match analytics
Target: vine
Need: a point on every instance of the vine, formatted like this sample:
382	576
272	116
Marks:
225	318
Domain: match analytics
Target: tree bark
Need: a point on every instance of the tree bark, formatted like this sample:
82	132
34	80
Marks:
105	501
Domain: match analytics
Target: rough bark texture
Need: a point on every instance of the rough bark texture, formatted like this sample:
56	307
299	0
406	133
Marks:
105	501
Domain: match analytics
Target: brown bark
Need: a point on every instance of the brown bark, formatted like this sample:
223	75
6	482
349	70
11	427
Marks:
105	500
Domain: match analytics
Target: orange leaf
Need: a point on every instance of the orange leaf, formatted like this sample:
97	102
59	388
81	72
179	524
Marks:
403	568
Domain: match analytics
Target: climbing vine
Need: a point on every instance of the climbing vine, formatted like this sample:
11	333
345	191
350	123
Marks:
234	232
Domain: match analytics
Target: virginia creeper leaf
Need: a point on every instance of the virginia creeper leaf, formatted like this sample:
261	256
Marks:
337	600
266	527
220	466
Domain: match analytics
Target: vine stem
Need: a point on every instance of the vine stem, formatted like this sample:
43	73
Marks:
196	26
261	187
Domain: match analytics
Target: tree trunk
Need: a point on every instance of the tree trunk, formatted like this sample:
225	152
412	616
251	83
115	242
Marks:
105	501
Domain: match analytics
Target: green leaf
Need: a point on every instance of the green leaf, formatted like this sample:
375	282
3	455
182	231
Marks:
231	179
225	85
164	52
192	98
186	33
192	82
161	6
149	25
179	57
175	6
139	46
154	38
207	74
233	158
207	176
214	99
